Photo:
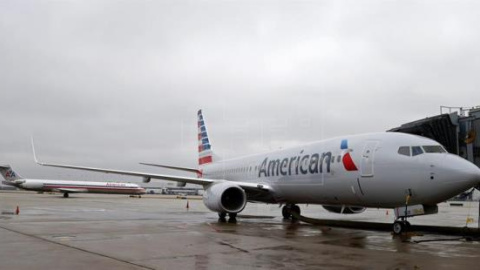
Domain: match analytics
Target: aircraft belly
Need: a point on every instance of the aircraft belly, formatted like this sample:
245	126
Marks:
327	192
382	190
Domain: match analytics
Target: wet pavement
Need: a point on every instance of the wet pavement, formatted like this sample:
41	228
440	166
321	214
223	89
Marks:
157	232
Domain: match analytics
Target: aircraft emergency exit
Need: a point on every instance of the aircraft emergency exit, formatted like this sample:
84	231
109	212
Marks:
408	173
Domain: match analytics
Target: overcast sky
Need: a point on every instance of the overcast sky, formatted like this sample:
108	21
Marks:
114	83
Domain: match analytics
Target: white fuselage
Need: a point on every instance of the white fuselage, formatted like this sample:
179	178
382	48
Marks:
375	174
66	186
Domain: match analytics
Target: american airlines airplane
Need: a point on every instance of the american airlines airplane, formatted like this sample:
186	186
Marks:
66	187
408	173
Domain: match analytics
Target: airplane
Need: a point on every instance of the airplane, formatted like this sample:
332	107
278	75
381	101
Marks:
408	173
66	187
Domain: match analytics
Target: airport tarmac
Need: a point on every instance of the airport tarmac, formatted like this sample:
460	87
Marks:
89	231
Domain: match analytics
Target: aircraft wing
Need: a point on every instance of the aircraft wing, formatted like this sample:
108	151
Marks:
71	190
147	176
253	187
193	170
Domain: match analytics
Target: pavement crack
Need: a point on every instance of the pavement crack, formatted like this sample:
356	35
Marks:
232	246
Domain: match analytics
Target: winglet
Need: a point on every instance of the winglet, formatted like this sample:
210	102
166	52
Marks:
34	154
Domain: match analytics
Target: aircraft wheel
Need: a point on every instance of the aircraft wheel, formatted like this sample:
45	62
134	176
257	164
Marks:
232	218
286	212
65	195
400	227
222	217
295	209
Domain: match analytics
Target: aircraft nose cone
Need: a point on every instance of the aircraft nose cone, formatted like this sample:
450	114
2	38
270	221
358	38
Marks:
458	172
475	175
468	172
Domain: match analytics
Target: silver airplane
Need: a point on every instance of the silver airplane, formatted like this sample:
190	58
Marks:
407	173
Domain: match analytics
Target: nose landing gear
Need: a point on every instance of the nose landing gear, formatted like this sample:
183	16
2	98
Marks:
400	226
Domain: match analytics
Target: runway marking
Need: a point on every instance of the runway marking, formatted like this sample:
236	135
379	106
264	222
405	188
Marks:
64	237
76	248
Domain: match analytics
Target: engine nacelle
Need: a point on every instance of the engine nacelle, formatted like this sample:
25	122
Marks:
32	185
344	209
146	179
225	197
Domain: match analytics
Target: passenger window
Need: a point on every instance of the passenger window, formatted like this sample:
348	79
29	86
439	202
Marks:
404	150
416	150
338	158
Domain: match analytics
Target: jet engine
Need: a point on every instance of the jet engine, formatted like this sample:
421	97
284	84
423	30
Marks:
146	179
32	185
225	197
344	209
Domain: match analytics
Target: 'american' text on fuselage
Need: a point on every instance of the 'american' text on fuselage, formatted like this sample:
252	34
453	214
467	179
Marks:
307	164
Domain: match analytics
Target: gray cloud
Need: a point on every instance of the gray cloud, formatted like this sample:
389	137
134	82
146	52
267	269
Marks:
112	83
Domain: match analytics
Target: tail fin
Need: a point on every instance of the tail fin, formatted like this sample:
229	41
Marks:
205	154
8	173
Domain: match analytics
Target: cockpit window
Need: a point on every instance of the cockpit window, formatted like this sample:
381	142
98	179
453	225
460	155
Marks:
404	150
434	149
416	150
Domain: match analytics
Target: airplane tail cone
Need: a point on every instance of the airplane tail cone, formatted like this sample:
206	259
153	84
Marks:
17	211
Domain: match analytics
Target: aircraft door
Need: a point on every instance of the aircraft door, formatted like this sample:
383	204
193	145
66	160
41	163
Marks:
368	155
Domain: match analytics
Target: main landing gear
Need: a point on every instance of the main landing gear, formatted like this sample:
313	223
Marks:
65	195
232	217
288	209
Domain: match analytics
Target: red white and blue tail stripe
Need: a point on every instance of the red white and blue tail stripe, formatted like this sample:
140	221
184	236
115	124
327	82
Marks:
205	154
